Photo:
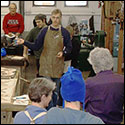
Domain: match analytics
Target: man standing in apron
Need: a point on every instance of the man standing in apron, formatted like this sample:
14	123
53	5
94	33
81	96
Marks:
56	44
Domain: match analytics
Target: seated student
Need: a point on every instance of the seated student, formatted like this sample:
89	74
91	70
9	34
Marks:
105	91
73	92
40	92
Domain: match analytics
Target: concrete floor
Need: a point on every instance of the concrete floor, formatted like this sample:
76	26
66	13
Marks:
30	72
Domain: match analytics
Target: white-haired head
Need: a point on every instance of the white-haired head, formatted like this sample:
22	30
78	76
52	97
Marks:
100	59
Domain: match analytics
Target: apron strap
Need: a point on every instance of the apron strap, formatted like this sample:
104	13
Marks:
33	119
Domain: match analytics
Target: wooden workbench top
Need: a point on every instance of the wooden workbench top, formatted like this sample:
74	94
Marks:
13	60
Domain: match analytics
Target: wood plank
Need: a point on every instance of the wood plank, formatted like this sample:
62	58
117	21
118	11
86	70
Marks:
12	61
107	30
120	53
6	118
7	90
111	37
9	107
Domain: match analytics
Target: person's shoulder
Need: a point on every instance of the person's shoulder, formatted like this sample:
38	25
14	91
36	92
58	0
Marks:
119	75
90	80
44	30
19	115
8	14
34	29
89	118
65	32
18	14
55	109
53	116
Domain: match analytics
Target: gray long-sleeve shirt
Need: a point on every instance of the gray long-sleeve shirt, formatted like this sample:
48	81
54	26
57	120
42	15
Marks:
70	116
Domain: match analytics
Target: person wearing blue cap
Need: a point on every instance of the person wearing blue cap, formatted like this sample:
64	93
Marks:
73	93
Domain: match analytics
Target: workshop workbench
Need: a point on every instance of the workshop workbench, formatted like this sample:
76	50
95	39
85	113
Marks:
15	87
10	87
17	62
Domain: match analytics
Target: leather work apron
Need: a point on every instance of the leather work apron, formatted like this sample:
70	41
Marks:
50	65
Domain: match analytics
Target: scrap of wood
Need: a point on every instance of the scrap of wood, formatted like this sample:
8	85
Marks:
25	80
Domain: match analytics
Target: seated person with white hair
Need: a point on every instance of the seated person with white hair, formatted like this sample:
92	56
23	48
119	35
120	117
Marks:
105	91
73	92
40	94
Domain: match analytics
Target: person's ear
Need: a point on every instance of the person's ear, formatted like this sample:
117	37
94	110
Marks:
43	97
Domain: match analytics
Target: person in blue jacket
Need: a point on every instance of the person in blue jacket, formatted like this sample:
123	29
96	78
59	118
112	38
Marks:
40	93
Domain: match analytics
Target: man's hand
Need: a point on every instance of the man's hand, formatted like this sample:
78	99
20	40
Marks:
17	34
10	34
59	55
20	41
83	41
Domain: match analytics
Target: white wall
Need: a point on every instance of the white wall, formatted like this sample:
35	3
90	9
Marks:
79	12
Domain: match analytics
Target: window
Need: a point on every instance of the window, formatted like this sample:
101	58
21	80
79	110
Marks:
5	3
76	3
44	3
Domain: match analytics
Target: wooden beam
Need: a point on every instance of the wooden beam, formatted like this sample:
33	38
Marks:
107	30
8	107
120	53
111	37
